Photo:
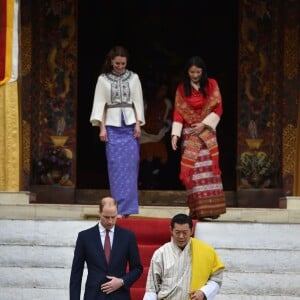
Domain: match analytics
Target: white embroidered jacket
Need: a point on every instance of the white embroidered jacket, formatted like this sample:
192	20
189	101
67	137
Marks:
118	94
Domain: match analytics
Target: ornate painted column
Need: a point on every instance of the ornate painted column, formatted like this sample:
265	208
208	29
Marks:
268	99
49	97
291	97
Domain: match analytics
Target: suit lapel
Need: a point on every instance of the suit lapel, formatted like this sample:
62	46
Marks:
117	242
98	243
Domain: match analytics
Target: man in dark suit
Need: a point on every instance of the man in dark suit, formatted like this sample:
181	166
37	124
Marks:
105	280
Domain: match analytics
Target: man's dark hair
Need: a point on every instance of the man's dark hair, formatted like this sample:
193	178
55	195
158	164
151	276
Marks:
182	219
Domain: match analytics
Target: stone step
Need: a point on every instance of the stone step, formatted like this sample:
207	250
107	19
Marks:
262	260
63	294
26	211
246	235
223	235
233	282
236	260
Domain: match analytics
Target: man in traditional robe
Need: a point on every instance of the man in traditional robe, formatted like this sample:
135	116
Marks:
184	268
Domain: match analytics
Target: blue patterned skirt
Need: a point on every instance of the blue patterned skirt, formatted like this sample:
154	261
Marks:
122	153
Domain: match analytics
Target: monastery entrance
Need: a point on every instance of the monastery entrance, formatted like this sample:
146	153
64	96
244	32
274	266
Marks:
160	37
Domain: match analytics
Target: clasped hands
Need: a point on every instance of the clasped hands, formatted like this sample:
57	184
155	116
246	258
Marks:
197	295
196	128
110	286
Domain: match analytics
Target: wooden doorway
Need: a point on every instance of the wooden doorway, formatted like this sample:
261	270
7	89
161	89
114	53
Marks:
160	36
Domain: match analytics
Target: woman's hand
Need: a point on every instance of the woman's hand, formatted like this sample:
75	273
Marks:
103	134
137	130
174	142
196	128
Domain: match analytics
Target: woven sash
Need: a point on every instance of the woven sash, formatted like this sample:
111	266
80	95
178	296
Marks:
194	143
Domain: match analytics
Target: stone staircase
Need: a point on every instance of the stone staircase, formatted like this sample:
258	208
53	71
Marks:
262	259
260	248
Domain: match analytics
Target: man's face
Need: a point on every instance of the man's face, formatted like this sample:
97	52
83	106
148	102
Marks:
108	216
181	234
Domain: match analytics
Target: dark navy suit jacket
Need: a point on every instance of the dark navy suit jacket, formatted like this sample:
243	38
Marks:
89	249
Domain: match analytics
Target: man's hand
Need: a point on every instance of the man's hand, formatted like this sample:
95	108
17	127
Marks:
114	284
197	295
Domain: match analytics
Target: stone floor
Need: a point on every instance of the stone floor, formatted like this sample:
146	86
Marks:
257	245
18	206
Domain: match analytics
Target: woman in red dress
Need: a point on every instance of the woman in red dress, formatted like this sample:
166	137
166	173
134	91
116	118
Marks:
197	112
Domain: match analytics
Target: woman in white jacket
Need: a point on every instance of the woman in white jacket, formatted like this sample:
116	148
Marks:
118	110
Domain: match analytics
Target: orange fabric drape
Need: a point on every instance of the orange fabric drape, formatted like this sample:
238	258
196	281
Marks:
6	39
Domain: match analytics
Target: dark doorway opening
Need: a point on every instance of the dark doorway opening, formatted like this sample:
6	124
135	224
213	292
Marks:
160	36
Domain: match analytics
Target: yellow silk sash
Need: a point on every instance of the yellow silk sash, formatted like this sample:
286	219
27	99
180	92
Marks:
205	262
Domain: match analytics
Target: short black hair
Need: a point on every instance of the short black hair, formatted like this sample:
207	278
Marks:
182	219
